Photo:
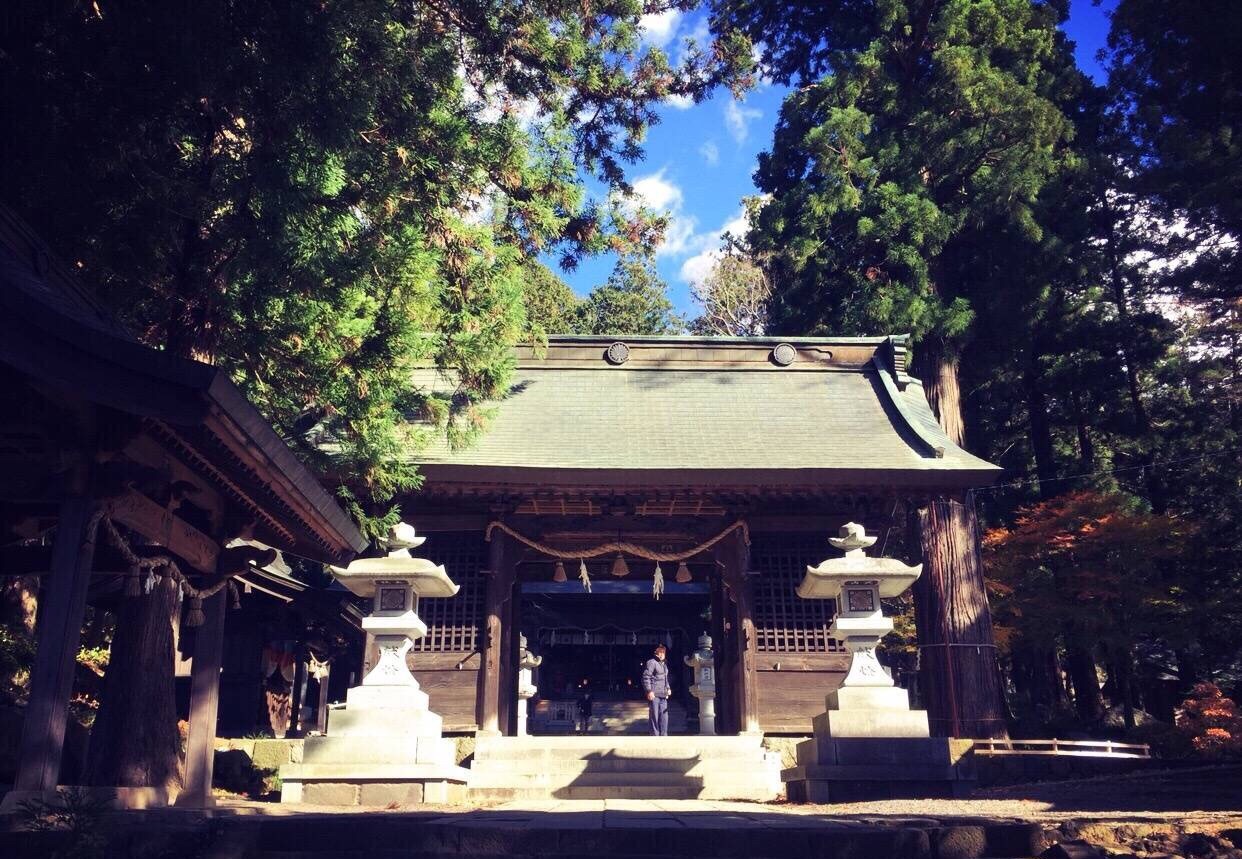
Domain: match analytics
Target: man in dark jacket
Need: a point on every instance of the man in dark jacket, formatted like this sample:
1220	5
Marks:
658	689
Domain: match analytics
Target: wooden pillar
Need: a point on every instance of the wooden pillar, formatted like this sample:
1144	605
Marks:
58	632
736	559
958	671
204	704
297	694
499	585
508	698
722	637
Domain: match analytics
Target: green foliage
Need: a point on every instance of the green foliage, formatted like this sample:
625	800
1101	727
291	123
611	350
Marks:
634	300
915	124
17	651
551	306
321	198
1176	82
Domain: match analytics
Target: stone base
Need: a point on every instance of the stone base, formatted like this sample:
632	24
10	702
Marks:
832	769
396	722
380	786
385	748
871	723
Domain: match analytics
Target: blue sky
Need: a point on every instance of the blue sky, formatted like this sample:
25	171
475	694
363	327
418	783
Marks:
700	159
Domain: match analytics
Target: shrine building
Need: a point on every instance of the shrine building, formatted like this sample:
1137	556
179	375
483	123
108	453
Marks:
726	461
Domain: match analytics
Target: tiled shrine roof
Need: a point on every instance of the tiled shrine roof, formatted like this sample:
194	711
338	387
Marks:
712	411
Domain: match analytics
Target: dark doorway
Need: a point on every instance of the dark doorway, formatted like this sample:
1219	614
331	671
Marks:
594	647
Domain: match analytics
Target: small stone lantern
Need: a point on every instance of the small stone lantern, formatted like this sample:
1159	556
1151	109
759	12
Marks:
703	661
525	686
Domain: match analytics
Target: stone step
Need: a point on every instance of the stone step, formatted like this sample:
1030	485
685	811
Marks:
507	794
721	767
584	767
672	779
645	746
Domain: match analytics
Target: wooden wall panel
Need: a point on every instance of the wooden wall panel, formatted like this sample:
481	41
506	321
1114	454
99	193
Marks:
789	700
452	695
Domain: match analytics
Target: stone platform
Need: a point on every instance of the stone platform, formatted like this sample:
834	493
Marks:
623	767
385	747
860	769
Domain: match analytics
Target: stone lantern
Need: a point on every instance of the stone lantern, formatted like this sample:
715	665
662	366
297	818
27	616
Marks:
703	661
385	746
867	704
869	743
526	690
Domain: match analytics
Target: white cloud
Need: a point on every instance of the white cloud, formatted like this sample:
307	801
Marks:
681	102
679	237
664	197
659	29
710	152
738	119
697	267
656	192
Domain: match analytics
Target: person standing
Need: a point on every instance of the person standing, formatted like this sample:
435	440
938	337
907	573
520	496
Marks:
658	689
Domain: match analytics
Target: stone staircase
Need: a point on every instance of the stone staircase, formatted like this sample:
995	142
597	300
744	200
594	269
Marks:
623	767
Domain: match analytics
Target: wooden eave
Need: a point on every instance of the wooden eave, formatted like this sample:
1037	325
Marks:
65	346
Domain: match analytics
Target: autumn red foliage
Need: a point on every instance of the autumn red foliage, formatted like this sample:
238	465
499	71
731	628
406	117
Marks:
1213	722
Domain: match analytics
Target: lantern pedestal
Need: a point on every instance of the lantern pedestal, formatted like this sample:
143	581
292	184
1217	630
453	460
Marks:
868	743
385	746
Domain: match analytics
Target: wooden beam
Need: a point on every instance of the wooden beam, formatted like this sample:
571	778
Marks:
134	510
148	451
204	704
59	630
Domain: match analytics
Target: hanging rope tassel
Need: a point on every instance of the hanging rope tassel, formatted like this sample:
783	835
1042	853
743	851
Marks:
657	583
194	614
584	576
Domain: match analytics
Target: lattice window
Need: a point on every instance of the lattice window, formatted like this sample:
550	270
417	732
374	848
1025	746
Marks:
453	622
785	623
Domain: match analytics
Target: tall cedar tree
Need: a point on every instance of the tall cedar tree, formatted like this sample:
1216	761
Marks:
915	125
914	122
318	196
633	300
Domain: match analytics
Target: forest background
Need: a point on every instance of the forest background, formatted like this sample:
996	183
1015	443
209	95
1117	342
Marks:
320	199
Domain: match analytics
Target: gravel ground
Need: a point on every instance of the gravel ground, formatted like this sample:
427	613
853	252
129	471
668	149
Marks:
1204	794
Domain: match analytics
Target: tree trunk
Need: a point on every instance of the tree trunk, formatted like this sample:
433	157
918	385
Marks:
1086	447
958	669
1122	665
1087	698
1039	429
937	369
135	741
1039	672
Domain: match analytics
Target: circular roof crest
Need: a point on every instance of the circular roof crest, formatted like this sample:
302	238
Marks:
617	353
784	354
